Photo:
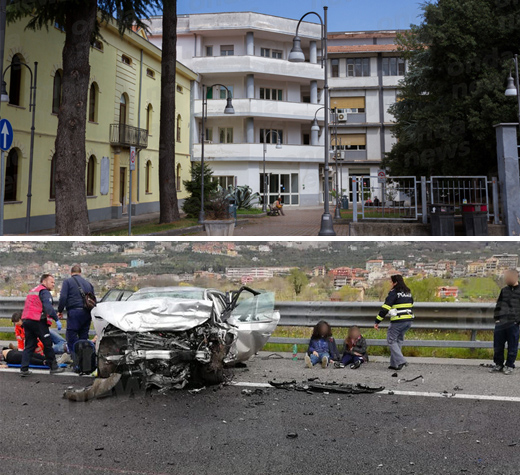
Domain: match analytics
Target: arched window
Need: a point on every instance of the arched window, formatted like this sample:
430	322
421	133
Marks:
179	180
179	123
52	189
15	81
92	103
91	173
56	92
149	111
148	177
123	102
11	176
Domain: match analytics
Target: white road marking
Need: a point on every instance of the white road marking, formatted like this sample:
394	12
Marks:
390	392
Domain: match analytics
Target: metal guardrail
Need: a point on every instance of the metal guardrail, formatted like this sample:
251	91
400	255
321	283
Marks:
472	317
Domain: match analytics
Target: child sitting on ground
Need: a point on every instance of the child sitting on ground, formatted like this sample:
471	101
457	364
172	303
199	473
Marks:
355	349
322	347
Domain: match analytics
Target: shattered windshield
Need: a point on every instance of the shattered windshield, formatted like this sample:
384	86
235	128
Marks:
174	294
254	308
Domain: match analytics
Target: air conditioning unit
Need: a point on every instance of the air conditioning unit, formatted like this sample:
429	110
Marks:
342	117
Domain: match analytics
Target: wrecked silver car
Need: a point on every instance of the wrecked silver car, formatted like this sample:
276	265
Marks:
169	336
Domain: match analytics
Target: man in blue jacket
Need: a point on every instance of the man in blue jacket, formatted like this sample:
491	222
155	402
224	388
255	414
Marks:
71	298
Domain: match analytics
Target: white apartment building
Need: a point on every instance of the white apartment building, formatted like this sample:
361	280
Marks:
365	70
247	52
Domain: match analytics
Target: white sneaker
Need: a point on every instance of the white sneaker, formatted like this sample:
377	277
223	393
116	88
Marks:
308	361
324	362
64	359
496	369
508	370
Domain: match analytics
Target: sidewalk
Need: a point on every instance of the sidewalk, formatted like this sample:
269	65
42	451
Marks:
296	222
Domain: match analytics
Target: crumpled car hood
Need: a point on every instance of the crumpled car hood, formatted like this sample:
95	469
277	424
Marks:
152	314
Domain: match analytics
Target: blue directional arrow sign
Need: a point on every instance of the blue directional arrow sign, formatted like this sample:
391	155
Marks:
6	134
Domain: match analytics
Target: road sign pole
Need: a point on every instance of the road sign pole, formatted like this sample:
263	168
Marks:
2	192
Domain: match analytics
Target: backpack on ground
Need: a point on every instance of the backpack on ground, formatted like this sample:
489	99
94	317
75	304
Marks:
85	361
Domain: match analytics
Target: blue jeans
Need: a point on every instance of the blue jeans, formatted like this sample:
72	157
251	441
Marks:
349	358
78	325
506	333
317	359
58	342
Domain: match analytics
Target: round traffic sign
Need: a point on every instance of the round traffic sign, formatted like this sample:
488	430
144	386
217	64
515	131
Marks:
6	134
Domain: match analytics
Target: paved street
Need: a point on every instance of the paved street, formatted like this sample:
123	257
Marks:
224	431
296	222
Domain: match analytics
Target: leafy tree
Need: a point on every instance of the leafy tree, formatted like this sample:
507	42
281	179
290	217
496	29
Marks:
81	20
298	280
425	290
169	208
191	204
453	93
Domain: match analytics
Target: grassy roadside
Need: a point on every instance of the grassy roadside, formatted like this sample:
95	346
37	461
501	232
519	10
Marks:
249	211
150	228
370	333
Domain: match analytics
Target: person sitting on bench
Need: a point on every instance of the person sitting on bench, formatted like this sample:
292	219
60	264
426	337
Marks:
278	204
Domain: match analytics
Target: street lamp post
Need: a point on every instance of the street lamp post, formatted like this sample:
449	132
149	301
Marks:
297	56
316	128
278	146
32	108
511	89
228	110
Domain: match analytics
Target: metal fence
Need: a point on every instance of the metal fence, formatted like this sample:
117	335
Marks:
472	317
406	198
389	198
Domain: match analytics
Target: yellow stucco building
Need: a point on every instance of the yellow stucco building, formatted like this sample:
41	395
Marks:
123	110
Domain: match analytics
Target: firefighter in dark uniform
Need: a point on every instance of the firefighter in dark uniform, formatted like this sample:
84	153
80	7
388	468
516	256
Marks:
399	307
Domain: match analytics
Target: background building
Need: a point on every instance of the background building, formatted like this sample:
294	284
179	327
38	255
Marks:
365	70
123	110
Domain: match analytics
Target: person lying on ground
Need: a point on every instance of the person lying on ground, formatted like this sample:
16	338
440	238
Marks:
322	347
15	357
355	349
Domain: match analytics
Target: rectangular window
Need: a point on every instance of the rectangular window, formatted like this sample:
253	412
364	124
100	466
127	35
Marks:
358	67
224	93
393	66
225	181
334	68
126	59
209	50
265	52
276	54
227	50
348	105
350	142
271	94
150	73
272	135
225	135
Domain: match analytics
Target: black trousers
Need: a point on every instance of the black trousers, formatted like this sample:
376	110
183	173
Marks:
15	357
34	331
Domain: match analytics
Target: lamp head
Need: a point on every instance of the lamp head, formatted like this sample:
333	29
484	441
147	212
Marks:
229	106
278	144
510	90
296	55
315	127
4	97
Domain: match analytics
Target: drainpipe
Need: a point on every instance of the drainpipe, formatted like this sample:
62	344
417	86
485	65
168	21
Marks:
138	126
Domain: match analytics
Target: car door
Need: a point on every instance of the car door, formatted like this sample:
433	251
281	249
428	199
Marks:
255	318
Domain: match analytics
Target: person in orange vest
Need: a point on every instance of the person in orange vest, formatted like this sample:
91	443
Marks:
37	317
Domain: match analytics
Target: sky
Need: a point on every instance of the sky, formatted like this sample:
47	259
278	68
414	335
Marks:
344	15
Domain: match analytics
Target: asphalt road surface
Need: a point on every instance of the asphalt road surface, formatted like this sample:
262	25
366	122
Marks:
223	431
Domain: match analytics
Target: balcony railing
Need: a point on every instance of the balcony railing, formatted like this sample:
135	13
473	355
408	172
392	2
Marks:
128	136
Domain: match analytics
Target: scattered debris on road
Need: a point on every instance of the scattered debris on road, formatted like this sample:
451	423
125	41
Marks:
411	380
102	387
292	435
325	387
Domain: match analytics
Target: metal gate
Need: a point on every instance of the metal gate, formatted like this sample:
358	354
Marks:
393	198
459	190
